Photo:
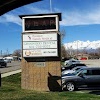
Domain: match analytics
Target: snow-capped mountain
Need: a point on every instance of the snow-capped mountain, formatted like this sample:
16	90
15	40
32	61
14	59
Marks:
83	45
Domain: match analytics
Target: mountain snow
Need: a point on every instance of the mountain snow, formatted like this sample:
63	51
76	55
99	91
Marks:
83	45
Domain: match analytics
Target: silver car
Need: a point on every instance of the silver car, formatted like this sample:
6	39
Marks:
72	70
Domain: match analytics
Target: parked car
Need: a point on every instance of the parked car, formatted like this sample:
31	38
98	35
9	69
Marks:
71	61
88	76
72	70
7	60
69	67
2	63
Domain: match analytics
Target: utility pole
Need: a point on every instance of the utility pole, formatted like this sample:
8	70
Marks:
7	52
50	6
1	52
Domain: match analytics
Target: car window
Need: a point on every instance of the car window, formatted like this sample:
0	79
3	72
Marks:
80	65
96	72
73	61
87	72
77	71
76	68
84	72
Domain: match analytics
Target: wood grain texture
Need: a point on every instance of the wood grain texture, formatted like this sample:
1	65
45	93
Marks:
46	78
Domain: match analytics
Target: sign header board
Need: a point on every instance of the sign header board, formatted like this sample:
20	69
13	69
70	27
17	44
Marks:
39	37
40	23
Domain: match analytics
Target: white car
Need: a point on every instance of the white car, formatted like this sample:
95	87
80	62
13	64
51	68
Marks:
68	62
7	60
72	70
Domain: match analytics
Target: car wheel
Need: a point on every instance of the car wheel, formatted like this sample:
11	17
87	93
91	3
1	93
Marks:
6	65
70	86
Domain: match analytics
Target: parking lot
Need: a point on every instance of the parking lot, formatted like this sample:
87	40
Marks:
92	63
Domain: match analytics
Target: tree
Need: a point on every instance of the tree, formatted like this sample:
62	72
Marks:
17	53
98	51
63	51
63	33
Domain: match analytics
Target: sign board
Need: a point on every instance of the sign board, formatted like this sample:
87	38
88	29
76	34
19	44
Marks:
40	37
40	23
40	45
40	53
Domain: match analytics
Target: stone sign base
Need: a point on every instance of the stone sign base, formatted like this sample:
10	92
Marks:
41	75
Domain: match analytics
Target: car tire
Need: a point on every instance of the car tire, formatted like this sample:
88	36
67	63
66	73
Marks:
70	86
6	65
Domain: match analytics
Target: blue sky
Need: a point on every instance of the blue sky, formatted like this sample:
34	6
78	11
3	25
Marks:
80	21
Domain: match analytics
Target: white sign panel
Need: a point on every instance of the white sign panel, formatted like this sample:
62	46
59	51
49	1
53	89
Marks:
40	53
42	44
40	37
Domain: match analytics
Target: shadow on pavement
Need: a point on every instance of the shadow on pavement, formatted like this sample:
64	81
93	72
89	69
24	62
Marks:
96	92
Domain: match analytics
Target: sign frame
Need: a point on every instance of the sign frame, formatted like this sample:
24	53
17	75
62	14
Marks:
46	30
54	39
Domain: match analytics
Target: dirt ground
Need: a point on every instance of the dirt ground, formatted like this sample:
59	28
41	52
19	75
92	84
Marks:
91	63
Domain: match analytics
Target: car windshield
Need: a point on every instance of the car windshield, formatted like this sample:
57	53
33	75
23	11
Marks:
76	68
77	71
69	74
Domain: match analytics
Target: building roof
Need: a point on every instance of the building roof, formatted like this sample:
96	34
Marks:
7	5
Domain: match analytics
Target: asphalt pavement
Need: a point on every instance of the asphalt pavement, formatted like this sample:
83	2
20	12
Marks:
14	65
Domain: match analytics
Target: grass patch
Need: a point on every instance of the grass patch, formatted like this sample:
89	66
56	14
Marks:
11	90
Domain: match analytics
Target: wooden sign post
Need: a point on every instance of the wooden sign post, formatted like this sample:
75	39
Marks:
41	52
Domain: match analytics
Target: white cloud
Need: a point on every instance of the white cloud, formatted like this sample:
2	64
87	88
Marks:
37	10
14	18
69	18
80	18
10	18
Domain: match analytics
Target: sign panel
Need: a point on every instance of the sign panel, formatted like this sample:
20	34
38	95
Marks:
41	44
39	37
40	23
40	53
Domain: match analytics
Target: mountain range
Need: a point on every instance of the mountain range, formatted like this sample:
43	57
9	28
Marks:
83	45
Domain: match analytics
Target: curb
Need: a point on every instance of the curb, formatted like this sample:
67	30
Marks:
10	73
